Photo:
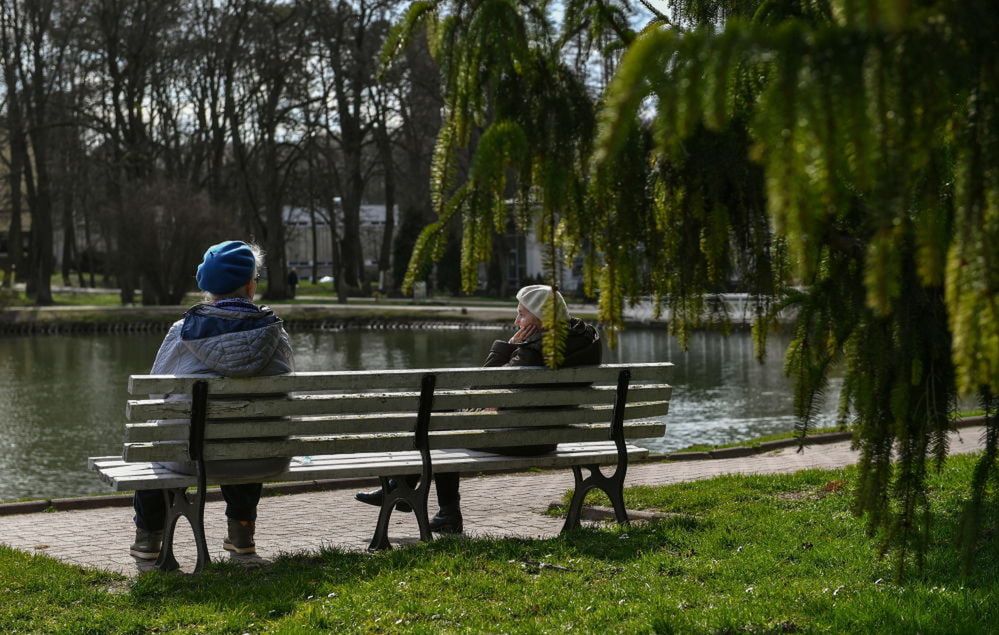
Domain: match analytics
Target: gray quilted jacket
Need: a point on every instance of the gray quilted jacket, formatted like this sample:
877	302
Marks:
229	339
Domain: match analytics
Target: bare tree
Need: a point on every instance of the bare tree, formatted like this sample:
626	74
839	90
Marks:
10	49
418	111
40	34
351	35
171	224
262	97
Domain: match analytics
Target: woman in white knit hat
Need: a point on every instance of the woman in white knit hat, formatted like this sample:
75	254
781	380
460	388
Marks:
524	348
582	348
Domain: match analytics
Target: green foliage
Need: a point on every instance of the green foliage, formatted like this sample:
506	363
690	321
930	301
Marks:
873	146
975	513
525	119
841	159
419	13
556	331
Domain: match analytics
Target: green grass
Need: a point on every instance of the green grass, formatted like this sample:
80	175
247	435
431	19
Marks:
744	554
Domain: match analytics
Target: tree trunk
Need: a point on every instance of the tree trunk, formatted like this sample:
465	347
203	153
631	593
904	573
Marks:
41	207
68	236
150	297
41	234
15	242
277	261
350	251
89	245
385	256
336	256
315	241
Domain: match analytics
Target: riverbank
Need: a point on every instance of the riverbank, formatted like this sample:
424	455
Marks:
297	315
88	310
304	313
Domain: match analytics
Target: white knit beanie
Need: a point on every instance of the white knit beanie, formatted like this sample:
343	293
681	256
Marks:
534	297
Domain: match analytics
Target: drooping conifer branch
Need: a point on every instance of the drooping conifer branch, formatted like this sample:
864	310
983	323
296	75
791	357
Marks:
838	159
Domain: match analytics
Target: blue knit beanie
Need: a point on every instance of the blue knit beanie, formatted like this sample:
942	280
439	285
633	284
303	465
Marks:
226	267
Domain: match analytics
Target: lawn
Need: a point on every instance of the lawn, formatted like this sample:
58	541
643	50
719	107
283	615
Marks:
737	554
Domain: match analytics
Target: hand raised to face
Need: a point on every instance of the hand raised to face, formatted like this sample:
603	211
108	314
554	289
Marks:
526	332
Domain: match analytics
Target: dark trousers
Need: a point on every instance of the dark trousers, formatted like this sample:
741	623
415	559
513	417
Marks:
447	489
448	482
240	504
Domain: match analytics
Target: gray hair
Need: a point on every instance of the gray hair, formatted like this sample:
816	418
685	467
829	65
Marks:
258	263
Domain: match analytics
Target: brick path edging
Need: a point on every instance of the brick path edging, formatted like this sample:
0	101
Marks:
96	502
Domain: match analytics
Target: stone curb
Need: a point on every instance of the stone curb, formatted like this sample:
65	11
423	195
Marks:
27	507
284	489
769	446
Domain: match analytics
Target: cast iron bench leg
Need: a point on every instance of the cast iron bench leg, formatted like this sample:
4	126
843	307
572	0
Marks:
417	499
179	504
177	501
612	485
415	496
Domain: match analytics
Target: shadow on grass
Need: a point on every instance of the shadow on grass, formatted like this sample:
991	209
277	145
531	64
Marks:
277	588
765	513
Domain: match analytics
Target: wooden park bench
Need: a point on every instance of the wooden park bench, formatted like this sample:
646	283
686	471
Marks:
386	423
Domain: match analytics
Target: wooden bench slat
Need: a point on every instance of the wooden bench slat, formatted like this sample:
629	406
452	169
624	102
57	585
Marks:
151	476
447	378
117	466
390	422
141	410
177	451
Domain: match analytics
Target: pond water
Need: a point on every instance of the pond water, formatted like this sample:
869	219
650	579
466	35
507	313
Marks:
62	397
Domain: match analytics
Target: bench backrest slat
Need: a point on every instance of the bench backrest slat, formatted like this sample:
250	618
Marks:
655	372
141	410
391	422
349	444
375	411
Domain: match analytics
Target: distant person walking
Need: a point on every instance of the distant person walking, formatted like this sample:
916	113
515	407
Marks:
292	282
227	335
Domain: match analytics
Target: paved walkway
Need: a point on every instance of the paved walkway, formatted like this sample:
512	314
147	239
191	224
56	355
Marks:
503	505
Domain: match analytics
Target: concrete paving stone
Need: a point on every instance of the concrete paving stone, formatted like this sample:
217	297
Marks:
510	505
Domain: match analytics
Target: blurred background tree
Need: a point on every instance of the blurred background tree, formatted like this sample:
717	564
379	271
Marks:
261	106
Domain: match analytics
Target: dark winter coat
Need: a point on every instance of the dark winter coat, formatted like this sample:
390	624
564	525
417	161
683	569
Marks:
582	348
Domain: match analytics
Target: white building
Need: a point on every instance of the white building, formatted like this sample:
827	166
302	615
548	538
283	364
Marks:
524	264
298	222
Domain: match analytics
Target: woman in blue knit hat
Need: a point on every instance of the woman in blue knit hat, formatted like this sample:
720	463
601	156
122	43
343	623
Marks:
226	335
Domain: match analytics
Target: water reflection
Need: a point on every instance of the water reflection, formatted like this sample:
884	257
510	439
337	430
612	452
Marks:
62	397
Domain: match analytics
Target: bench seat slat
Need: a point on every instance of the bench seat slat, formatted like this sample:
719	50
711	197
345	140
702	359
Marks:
177	451
142	410
121	476
447	378
178	430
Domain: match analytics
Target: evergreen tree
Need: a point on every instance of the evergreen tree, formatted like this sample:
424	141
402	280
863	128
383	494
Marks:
841	156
